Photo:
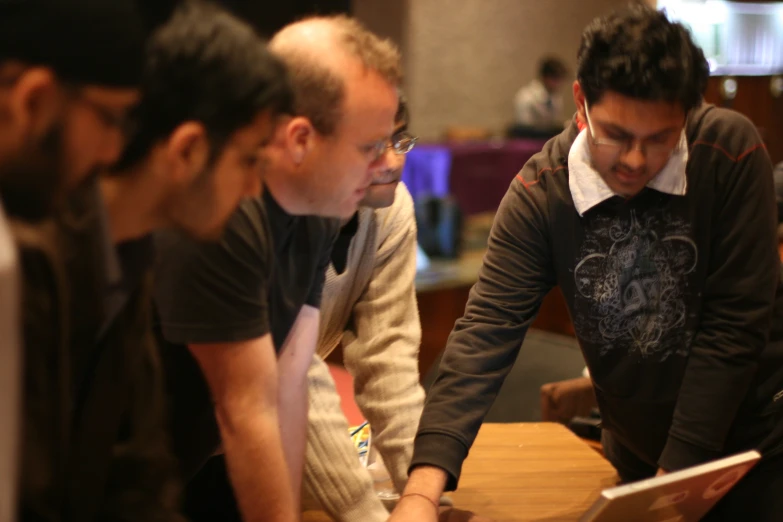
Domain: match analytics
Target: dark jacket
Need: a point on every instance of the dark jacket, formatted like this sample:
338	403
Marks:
94	443
676	302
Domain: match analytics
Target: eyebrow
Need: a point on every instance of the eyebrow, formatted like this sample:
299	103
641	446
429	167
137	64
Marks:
611	127
263	142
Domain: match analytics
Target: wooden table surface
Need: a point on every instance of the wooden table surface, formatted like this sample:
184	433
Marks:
528	472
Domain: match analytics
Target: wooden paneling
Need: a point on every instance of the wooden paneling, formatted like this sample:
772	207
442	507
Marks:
440	309
754	99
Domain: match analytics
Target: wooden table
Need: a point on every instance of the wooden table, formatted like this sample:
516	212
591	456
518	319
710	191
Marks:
528	472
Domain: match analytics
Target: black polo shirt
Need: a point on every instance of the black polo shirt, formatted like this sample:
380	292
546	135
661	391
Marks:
252	282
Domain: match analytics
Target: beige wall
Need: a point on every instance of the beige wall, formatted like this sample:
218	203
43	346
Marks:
465	59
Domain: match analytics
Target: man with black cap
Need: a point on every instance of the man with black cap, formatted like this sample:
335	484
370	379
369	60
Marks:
69	73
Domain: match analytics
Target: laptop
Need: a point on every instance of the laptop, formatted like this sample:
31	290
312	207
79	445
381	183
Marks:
681	496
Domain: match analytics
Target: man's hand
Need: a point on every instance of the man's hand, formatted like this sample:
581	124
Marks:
661	471
449	514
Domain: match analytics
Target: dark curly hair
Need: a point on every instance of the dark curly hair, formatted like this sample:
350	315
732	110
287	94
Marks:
205	65
638	52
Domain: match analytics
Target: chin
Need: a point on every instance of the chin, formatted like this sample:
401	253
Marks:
379	196
207	232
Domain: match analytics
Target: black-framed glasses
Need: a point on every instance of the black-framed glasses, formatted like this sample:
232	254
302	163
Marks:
402	142
125	122
615	147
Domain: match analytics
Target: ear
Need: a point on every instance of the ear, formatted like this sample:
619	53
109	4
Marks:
579	100
187	152
35	101
299	135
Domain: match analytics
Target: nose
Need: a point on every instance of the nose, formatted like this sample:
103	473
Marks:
634	158
395	161
113	144
381	162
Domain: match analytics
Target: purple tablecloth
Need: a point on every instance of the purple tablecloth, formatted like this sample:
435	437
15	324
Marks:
476	174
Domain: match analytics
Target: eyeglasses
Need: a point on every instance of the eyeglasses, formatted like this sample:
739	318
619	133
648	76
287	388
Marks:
402	142
656	150
125	122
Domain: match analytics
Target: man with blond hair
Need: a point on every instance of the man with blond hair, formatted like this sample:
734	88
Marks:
240	318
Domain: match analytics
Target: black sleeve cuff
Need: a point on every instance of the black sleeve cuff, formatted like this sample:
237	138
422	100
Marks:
678	454
440	450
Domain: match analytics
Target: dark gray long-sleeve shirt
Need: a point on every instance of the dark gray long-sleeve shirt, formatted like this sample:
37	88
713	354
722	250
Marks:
672	299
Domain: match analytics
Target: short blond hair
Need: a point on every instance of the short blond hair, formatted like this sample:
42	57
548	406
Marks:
319	91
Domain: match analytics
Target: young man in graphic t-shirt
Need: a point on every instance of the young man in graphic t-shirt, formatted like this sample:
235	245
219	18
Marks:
655	214
240	317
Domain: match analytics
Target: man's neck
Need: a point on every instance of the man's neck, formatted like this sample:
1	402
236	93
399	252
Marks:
132	200
286	194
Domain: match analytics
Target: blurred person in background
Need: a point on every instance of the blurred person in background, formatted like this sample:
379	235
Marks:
539	104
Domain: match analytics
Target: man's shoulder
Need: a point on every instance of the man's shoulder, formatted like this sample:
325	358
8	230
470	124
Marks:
546	172
726	132
245	236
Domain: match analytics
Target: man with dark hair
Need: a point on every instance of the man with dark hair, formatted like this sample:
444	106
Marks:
539	105
240	317
655	214
194	156
69	71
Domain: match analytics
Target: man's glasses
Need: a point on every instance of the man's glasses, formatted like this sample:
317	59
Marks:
402	142
613	148
125	121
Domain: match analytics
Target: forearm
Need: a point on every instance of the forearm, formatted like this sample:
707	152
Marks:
391	399
384	364
514	278
381	350
293	407
258	470
429	481
334	477
292	402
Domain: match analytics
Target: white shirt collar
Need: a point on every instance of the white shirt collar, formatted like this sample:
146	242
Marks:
588	188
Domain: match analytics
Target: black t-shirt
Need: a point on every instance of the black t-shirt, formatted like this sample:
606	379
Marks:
252	282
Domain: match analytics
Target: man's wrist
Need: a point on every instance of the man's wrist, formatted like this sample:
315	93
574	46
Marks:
427	481
422	497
